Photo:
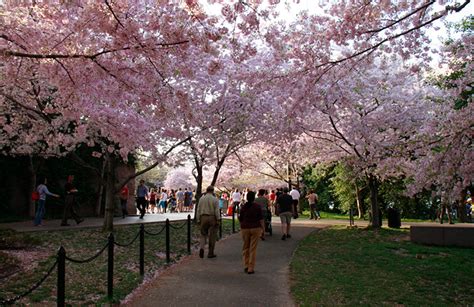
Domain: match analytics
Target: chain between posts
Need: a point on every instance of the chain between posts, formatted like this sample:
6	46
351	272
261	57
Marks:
60	262
12	300
130	243
155	233
178	227
88	259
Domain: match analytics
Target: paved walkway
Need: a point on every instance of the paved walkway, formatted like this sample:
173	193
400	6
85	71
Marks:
93	222
221	281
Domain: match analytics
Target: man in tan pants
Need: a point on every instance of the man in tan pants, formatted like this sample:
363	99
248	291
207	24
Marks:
208	216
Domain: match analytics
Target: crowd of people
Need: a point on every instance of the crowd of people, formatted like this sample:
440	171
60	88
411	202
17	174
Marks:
151	201
252	210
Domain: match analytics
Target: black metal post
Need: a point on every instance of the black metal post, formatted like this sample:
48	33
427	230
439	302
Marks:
233	218
110	266
167	225
189	234
220	224
142	249
61	290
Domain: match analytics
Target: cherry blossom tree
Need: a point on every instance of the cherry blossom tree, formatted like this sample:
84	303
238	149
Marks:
124	77
178	178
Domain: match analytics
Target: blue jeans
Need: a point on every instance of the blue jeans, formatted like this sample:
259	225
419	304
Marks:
40	211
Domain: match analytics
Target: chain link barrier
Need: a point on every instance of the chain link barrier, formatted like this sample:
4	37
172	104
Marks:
155	233
130	243
88	259
178	227
51	269
12	300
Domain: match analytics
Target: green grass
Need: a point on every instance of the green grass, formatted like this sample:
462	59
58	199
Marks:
340	216
339	266
86	284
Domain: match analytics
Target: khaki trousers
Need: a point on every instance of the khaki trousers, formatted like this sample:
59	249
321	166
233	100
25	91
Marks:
209	228
250	237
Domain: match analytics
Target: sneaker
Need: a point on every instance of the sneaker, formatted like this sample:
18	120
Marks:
288	236
201	253
283	237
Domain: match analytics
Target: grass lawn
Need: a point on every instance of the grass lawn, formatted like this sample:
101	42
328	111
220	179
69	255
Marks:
339	266
26	257
340	216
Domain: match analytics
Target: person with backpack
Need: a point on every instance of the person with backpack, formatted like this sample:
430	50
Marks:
42	191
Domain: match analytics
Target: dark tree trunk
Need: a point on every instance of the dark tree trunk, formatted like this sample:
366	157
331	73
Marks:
101	190
289	175
219	165
199	177
32	181
110	199
375	219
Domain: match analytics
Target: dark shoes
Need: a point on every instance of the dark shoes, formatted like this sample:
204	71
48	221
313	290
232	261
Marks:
65	224
211	256
201	253
251	272
79	221
288	236
246	270
283	237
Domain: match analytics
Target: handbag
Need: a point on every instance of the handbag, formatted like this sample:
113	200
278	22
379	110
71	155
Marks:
35	195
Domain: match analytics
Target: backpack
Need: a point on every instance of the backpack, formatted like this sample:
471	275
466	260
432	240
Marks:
35	195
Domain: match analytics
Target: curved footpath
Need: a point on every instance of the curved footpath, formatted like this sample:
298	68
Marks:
221	281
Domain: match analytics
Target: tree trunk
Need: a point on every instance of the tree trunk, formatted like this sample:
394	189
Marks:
462	207
32	184
360	202
101	190
199	178
288	170
375	220
216	172
109	195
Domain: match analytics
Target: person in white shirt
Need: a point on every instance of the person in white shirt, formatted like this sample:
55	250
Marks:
163	201
236	198
296	198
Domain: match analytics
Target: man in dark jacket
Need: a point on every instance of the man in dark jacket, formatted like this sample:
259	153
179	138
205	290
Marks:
285	208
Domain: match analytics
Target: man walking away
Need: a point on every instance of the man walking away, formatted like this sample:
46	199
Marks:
295	195
285	207
209	219
236	198
142	194
312	200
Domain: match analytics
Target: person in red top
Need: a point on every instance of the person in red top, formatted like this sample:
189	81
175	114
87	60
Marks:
252	226
123	200
272	198
152	198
